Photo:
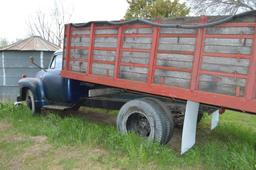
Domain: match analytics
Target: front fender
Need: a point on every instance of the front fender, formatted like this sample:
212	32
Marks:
36	86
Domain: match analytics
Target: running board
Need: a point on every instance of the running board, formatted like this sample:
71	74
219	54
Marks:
189	126
56	107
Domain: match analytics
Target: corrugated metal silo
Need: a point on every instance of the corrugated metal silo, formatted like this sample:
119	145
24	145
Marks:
14	61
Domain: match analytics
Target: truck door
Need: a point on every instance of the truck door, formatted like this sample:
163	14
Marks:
54	84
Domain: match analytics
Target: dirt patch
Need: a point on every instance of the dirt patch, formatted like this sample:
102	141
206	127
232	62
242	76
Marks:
33	152
4	126
39	148
16	138
39	139
77	158
22	138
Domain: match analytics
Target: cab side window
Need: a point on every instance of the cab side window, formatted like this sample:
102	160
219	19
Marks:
56	63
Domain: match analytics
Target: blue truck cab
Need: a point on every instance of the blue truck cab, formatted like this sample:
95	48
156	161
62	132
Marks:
48	87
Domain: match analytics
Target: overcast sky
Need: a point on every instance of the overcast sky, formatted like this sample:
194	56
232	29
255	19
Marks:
14	14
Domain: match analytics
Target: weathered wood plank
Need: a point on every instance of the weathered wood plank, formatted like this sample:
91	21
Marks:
172	81
176	47
103	69
136	54
175	60
105	44
135	57
133	73
177	40
177	31
172	78
221	84
81	31
81	41
139	70
79	53
176	64
175	57
104	55
230	30
173	74
225	68
227	65
137	45
105	40
227	49
106	31
223	80
137	40
226	61
221	89
228	42
78	66
132	76
138	31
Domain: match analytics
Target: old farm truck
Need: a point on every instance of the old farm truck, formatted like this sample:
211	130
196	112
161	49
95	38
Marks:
159	74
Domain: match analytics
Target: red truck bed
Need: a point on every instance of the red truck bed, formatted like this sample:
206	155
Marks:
213	65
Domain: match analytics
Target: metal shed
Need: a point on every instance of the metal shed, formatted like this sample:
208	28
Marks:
14	61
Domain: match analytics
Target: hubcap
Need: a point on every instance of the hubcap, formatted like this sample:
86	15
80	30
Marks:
139	124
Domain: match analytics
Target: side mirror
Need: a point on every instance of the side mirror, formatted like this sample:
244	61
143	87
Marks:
31	59
34	63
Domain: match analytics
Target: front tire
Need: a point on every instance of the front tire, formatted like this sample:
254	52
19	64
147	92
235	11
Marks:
30	101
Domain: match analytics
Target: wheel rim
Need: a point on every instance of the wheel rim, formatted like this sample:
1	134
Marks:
139	124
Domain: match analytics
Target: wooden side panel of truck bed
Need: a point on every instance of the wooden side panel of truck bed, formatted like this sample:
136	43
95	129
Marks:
213	65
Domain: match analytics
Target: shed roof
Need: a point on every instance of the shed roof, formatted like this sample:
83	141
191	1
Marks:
33	43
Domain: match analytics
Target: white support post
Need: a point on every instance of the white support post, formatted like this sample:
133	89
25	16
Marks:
3	69
189	126
42	59
215	119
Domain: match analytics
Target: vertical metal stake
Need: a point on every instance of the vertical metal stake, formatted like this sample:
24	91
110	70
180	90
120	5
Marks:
189	126
215	119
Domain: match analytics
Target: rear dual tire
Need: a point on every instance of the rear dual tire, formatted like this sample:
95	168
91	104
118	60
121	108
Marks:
146	117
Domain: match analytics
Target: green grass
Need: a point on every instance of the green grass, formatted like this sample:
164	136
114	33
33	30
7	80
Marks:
83	144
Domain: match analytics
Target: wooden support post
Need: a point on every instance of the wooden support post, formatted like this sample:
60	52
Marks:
251	81
118	52
153	55
198	55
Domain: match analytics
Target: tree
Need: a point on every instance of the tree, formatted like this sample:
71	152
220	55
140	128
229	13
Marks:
220	7
153	9
3	42
50	27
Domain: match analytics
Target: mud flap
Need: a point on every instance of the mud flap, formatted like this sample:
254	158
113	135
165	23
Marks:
215	119
189	126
